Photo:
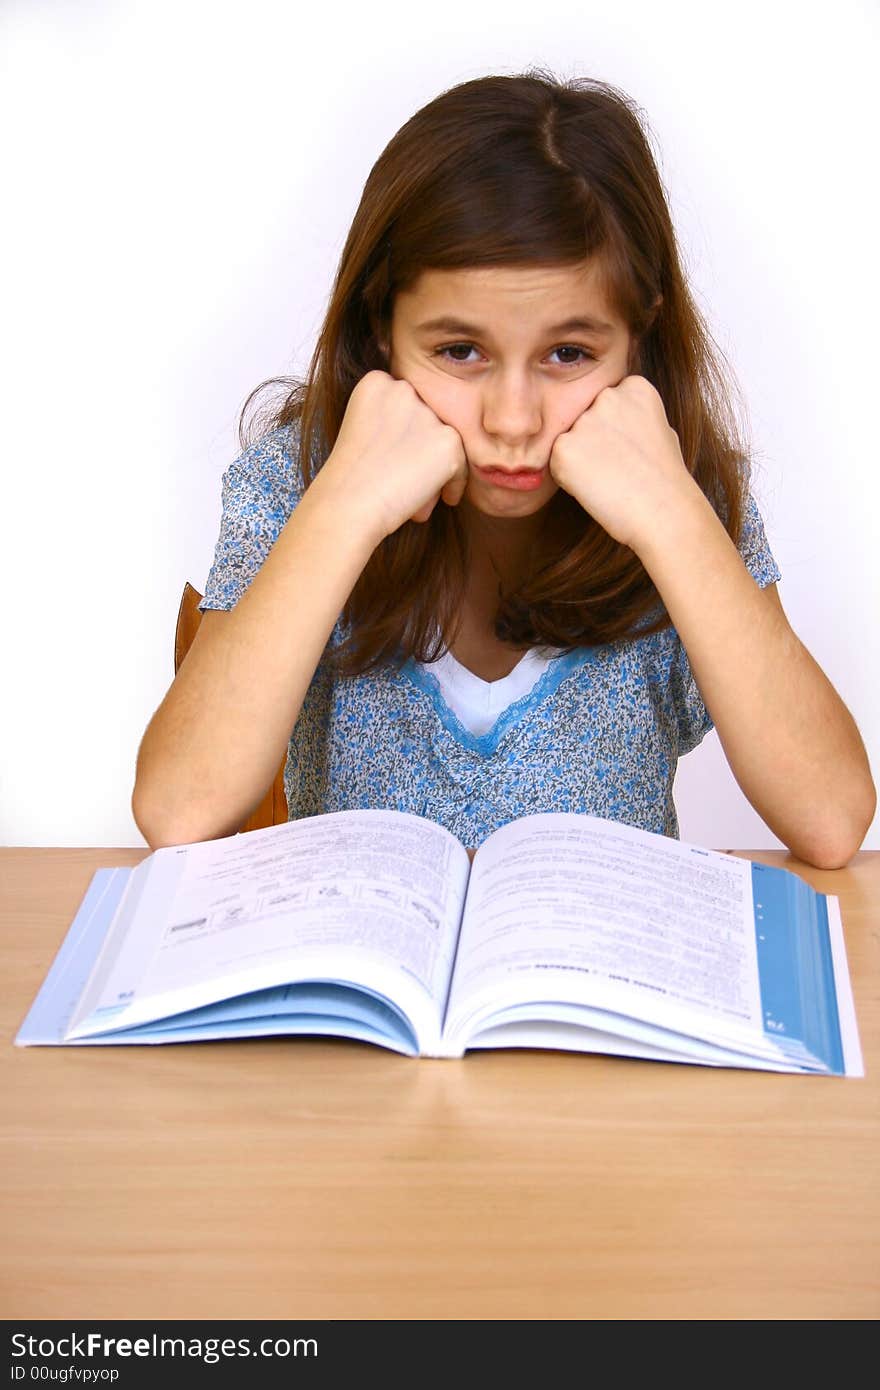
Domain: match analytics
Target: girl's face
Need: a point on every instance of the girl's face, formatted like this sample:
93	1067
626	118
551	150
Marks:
520	353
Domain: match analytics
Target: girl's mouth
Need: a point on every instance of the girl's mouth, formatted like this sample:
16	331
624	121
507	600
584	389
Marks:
522	480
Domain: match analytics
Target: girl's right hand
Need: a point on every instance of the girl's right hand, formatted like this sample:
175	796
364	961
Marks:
393	459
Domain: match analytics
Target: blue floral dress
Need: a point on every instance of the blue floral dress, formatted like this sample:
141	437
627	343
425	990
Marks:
601	732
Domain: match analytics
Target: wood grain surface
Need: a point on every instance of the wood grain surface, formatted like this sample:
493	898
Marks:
276	1178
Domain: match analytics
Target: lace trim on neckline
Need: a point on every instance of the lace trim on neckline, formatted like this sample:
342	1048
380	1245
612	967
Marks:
486	744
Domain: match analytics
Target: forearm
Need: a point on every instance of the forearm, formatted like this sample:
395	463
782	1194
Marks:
215	743
791	743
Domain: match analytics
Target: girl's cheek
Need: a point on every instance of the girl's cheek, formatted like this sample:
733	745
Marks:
597	381
582	402
453	407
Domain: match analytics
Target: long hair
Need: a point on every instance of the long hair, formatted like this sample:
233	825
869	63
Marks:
513	170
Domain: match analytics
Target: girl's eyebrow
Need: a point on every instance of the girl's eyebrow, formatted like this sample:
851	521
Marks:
471	330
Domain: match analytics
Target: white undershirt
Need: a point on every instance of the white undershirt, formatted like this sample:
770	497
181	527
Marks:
478	703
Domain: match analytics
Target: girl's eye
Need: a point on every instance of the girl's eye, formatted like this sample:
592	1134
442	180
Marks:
452	350
582	355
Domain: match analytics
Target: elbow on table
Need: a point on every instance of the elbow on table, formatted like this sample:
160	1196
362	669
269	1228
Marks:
157	835
162	832
832	843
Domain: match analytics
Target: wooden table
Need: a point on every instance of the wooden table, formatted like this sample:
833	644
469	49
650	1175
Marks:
311	1179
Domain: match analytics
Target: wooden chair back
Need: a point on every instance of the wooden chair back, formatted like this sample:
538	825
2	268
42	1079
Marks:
272	810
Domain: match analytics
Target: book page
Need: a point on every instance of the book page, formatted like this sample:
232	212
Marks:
572	908
373	897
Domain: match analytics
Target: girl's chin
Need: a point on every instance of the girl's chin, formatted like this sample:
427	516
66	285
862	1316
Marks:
494	501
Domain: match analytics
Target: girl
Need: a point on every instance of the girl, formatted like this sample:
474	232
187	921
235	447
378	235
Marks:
497	555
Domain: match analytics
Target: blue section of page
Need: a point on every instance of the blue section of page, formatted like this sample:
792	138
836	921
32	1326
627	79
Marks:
51	1012
314	1006
332	1008
798	995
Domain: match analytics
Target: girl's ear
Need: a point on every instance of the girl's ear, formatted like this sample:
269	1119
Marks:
377	349
382	339
635	351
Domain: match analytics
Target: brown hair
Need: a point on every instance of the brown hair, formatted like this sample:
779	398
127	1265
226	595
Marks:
507	170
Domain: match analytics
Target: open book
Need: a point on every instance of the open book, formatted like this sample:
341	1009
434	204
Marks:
564	932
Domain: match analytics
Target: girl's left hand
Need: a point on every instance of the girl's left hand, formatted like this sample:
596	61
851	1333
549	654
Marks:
621	460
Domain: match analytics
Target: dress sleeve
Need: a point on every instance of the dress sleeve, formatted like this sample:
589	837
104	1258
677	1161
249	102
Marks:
754	549
693	719
259	492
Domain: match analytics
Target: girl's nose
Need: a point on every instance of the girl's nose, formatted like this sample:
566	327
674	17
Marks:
512	408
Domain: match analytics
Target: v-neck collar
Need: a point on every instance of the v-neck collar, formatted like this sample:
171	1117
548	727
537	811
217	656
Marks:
487	744
465	676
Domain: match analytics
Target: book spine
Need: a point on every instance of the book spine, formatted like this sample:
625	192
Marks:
796	969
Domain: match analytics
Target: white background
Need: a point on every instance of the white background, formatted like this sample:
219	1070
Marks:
178	180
